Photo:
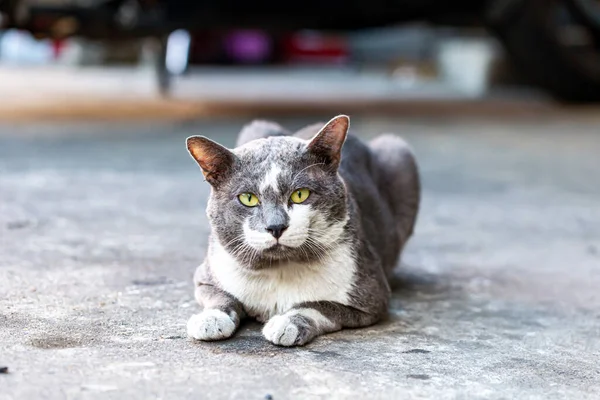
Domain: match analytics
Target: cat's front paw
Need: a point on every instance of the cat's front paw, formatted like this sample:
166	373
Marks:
285	330
210	324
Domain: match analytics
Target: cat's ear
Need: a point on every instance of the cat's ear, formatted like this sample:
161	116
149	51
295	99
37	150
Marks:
215	160
327	144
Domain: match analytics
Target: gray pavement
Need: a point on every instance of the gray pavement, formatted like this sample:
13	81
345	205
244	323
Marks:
102	225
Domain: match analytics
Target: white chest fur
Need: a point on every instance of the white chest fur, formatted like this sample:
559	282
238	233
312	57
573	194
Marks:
273	291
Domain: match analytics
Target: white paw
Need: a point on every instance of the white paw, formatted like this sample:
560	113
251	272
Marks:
210	324
280	330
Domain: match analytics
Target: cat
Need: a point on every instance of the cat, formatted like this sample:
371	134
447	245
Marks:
306	229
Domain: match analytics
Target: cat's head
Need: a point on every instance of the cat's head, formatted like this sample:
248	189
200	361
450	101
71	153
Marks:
276	199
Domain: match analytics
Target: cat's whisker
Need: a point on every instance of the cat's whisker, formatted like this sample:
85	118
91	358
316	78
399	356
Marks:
239	250
238	241
316	246
315	249
305	253
320	250
235	239
304	169
321	246
254	253
316	238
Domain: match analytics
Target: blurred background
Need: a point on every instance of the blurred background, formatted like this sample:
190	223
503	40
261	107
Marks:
380	51
102	211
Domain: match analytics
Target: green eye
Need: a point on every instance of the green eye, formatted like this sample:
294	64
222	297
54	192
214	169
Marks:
300	196
248	199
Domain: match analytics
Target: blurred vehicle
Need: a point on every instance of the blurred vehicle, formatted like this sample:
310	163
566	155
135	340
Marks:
555	43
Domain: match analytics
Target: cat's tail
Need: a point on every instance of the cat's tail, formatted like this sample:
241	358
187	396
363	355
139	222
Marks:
398	180
259	129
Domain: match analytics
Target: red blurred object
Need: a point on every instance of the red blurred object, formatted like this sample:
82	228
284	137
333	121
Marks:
315	48
58	45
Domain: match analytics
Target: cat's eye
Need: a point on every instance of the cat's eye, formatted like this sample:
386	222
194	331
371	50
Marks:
248	199
300	196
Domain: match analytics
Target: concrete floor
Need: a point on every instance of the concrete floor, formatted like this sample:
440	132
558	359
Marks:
101	227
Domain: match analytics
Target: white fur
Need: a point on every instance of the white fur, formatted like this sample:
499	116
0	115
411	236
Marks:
273	291
270	179
210	324
297	232
323	323
256	239
282	331
327	234
258	144
294	236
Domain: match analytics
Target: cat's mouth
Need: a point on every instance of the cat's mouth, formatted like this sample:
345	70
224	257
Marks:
276	247
279	255
276	251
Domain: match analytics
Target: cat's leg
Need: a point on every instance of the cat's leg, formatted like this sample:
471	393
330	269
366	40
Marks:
305	321
398	180
220	317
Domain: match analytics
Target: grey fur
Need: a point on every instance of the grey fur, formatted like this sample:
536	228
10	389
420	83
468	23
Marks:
375	185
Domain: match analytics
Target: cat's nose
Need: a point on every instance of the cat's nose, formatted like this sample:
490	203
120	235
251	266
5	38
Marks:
276	230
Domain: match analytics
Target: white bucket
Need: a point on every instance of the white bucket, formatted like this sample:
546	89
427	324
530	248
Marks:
464	64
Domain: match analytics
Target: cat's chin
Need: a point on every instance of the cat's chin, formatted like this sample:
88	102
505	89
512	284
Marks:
277	256
276	252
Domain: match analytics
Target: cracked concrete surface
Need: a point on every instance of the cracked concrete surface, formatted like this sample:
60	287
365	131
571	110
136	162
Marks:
102	225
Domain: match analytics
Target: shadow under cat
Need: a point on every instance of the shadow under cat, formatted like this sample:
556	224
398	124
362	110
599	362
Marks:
409	286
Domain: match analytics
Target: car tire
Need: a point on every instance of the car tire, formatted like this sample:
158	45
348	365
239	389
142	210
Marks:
532	39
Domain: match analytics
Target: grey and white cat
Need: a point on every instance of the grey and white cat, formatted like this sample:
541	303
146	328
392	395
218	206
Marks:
306	229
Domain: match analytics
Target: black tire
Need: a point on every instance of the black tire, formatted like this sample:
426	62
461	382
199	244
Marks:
531	36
